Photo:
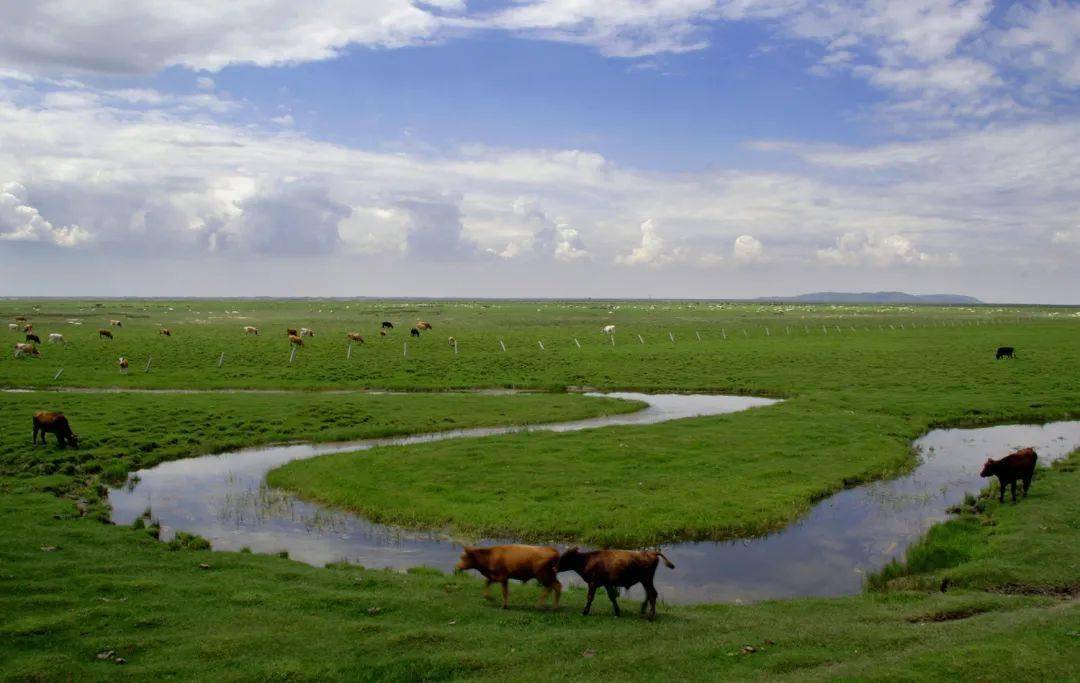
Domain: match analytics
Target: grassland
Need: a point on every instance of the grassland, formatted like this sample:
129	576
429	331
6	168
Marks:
71	587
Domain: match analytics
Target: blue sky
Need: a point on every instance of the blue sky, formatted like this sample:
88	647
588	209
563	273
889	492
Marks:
721	148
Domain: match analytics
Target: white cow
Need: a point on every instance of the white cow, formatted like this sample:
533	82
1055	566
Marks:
248	329
609	329
13	327
305	332
56	338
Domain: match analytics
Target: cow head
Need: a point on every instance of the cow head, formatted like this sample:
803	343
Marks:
467	561
73	440
988	468
570	560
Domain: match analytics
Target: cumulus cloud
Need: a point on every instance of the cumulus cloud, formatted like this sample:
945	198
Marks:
651	249
855	248
551	238
19	221
434	231
288	219
747	249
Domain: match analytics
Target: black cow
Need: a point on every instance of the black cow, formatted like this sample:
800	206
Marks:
31	337
1005	352
387	325
414	332
1019	465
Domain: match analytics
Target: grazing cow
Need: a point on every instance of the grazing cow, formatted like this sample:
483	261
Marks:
382	333
421	325
305	332
47	422
26	350
296	339
31	337
123	363
451	341
115	323
291	332
501	563
1005	352
56	338
165	332
248	329
20	318
614	569
13	327
355	336
414	332
387	325
104	334
1019	465
609	329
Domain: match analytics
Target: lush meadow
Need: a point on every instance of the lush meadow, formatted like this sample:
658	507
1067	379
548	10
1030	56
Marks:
859	383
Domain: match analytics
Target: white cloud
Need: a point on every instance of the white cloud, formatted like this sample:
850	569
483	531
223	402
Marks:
860	248
650	251
19	221
747	249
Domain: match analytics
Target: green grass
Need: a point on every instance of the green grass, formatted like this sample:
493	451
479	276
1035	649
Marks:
71	587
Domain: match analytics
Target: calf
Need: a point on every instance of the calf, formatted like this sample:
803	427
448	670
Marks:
501	563
165	332
1018	465
414	332
123	363
104	334
296	339
248	329
54	423
355	336
1005	352
614	569
56	338
387	325
31	337
26	350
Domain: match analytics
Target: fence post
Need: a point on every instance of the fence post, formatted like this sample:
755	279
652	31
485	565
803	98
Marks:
348	352
698	335
221	359
541	344
576	342
640	339
502	345
671	337
149	359
723	333
292	354
767	333
455	347
58	373
405	349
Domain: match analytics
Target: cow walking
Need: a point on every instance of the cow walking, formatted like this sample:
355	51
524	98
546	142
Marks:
614	569
501	563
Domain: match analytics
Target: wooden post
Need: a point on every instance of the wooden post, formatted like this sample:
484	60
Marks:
612	339
541	345
767	333
723	333
58	373
901	326
405	349
640	339
577	342
292	354
455	347
787	331
502	345
823	330
837	327
221	359
671	337
149	359
698	335
744	333
348	352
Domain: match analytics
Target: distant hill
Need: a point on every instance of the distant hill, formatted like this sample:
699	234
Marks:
873	298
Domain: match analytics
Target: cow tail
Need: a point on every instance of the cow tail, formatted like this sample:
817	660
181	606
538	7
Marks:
667	562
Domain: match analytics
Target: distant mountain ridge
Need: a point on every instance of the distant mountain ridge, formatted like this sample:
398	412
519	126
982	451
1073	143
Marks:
873	298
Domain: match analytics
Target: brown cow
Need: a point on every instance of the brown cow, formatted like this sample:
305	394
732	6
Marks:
26	350
123	363
54	423
1018	465
20	318
501	563
104	334
291	332
614	569
296	339
355	336
165	331
421	325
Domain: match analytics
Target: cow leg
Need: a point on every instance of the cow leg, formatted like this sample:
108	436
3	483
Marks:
35	434
1001	492
650	597
487	589
558	592
588	601
505	592
613	595
1027	485
1013	485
